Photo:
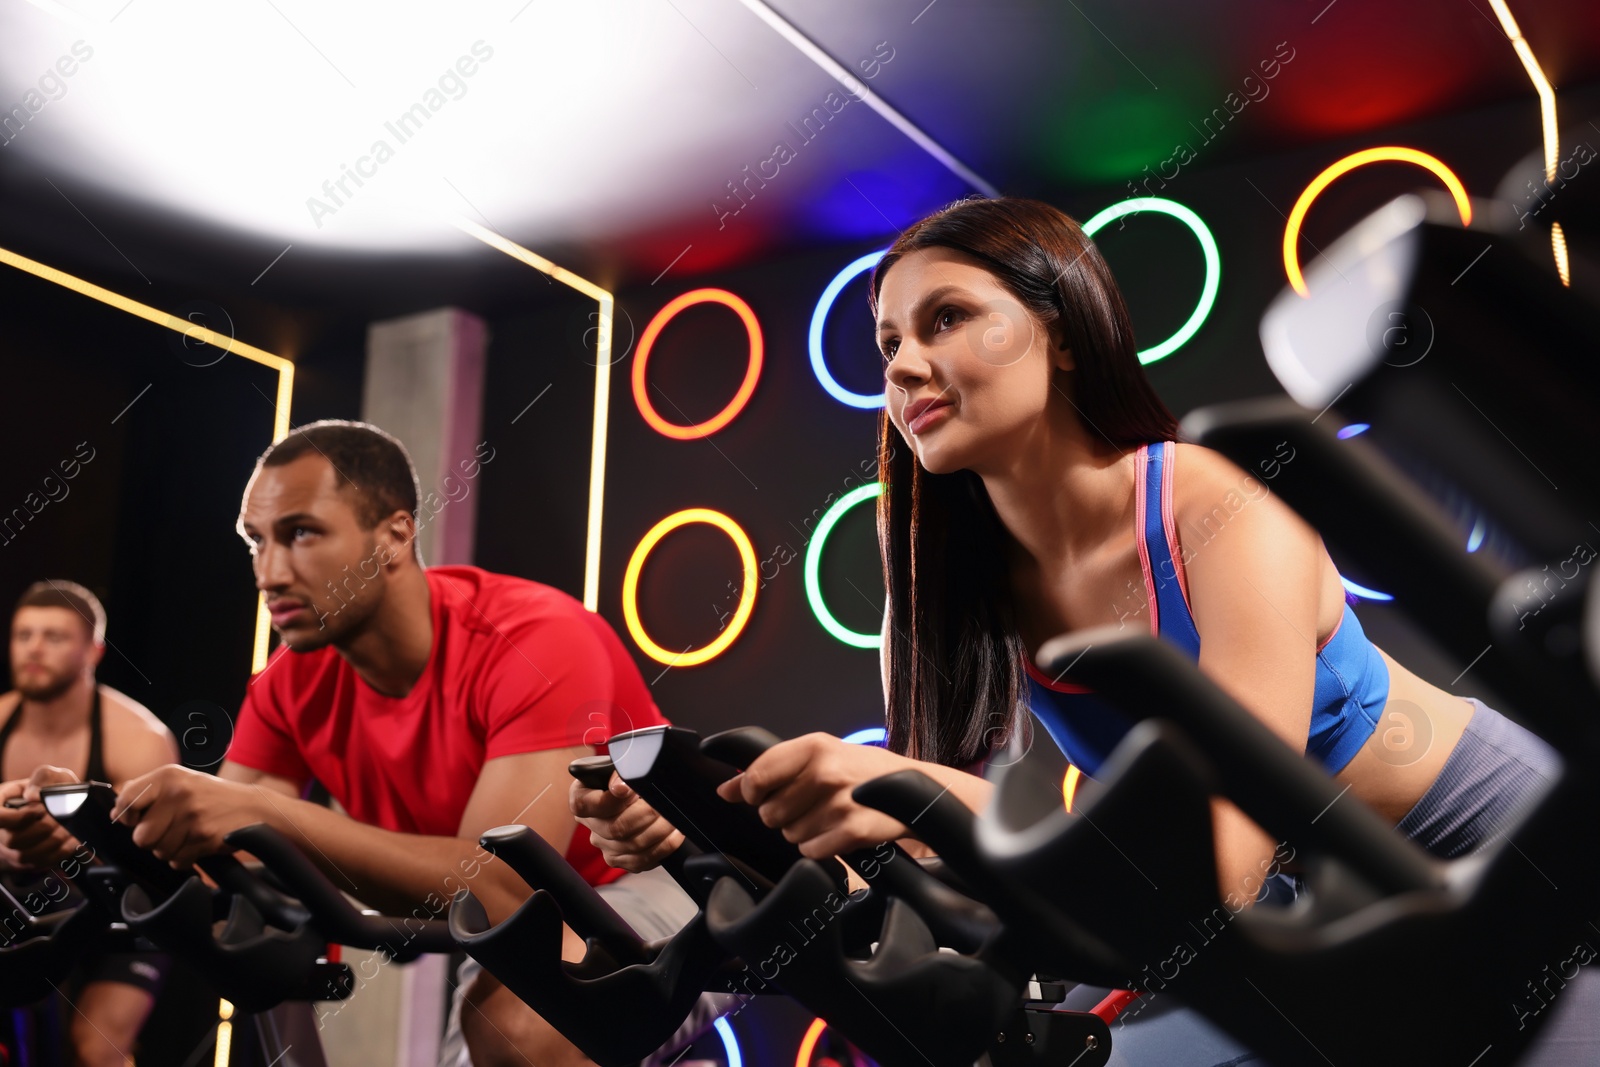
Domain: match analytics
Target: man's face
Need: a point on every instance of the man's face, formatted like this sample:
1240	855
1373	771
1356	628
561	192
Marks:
322	573
51	648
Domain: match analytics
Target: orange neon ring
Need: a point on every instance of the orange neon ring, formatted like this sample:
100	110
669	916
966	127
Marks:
808	1044
1387	154
747	387
747	594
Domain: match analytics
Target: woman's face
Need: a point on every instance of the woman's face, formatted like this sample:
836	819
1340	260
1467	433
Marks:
969	367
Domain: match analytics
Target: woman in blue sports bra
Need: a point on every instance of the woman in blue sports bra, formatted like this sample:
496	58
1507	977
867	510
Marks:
1033	487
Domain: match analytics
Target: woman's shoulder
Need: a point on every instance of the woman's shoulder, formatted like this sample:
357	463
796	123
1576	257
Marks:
1200	473
1210	490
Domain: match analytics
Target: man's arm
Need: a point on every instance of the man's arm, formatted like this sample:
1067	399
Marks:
398	872
184	814
546	668
238	772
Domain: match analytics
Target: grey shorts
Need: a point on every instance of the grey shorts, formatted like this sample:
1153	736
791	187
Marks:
655	906
1496	770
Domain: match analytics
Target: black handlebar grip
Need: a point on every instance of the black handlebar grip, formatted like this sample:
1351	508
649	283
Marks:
84	809
739	747
593	771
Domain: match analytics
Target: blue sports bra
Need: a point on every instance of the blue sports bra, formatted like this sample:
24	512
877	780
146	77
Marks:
1352	680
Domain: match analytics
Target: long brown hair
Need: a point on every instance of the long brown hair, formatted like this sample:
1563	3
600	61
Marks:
955	663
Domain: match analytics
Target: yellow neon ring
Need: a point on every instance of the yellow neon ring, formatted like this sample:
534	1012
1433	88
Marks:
747	595
747	387
1386	154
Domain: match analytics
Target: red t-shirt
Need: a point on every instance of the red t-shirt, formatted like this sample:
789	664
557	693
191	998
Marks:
515	667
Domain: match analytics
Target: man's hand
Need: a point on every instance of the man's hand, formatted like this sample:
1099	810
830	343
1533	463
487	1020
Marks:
38	841
627	831
183	815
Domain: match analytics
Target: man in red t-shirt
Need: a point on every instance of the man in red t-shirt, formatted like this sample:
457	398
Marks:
433	704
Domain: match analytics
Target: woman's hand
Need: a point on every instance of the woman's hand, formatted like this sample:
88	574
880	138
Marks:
627	831
802	787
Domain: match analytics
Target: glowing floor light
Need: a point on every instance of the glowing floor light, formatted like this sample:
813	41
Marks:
1069	784
224	1049
808	1043
1355	429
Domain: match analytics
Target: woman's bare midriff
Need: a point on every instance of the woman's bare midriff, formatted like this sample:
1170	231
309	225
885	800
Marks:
1416	733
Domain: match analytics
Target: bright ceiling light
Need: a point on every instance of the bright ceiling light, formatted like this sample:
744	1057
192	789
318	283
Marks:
339	123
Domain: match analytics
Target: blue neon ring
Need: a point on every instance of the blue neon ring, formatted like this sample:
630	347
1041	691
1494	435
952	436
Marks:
819	319
1363	592
730	1044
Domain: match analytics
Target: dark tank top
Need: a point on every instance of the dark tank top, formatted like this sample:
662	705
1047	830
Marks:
43	892
96	770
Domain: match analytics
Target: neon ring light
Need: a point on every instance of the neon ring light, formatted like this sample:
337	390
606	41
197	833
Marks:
730	1044
819	319
808	1043
1387	154
1362	591
747	594
830	519
647	340
1069	784
1208	246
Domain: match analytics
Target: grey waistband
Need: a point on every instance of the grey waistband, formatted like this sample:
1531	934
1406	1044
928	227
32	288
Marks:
1496	769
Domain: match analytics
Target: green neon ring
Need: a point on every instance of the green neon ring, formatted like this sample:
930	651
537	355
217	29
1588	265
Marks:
1208	245
830	519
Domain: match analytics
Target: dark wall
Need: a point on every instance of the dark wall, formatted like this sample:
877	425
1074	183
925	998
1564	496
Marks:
148	521
773	470
795	449
159	437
